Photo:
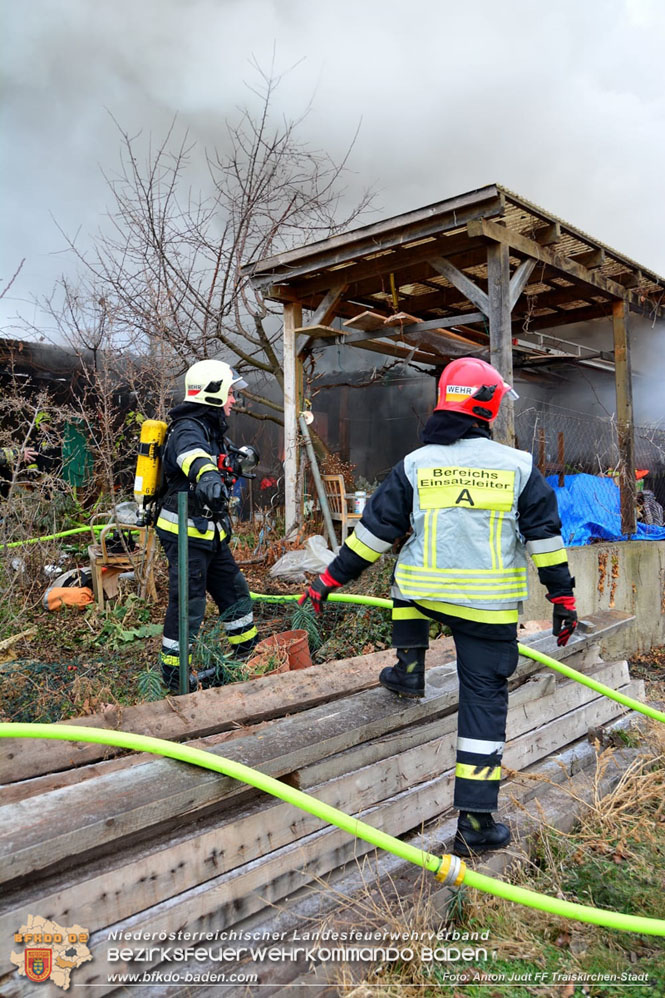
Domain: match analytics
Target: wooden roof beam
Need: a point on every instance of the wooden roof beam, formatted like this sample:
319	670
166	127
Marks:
529	247
564	318
391	233
555	298
396	350
462	282
548	234
372	270
591	259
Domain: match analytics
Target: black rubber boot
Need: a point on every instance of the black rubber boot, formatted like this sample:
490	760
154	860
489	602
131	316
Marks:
171	679
203	680
407	676
477	831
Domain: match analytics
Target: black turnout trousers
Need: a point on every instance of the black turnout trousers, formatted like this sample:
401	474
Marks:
486	657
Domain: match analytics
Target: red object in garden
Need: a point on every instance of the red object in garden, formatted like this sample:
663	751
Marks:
294	644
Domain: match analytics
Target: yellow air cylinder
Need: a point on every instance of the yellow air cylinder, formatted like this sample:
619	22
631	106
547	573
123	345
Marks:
148	463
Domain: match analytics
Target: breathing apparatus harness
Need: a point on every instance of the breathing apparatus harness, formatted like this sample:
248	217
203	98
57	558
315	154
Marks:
150	488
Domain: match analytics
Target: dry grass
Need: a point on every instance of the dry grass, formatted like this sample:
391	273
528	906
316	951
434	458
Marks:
616	851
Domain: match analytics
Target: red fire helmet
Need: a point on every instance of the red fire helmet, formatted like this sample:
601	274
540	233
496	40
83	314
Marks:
474	387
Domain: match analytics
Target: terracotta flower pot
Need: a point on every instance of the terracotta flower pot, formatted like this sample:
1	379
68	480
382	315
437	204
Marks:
291	648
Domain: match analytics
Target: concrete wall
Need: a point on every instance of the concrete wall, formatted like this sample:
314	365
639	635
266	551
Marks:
627	576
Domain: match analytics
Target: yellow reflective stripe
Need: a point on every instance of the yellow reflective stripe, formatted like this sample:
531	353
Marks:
361	549
236	639
184	460
489	573
470	612
463	592
172	659
492	525
452	594
497	540
407	613
551	558
433	526
469	585
470	772
172	528
206	467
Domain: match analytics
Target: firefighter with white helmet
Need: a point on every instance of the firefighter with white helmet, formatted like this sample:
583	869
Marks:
475	508
194	454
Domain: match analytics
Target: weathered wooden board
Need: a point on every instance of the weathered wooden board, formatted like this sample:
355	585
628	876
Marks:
127	802
367	321
235	895
384	874
141	878
12	792
538	689
206	712
244	834
210	711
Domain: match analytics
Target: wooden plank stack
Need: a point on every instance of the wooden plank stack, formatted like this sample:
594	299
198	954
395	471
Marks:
121	843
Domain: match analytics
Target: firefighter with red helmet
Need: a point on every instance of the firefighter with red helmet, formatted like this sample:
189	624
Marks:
475	508
194	452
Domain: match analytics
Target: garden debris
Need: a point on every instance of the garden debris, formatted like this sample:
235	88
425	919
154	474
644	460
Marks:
59	596
7	655
314	557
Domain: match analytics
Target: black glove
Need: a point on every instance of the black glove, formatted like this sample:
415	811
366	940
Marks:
212	492
318	590
564	617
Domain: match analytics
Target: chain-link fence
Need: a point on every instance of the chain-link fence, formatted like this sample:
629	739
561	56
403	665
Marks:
565	442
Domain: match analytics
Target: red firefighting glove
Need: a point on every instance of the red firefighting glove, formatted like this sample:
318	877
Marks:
564	618
318	590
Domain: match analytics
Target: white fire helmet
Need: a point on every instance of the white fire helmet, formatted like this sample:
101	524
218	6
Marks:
210	381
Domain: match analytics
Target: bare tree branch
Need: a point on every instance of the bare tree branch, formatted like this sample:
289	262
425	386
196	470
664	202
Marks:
166	267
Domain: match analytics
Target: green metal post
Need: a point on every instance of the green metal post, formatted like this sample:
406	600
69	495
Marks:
183	593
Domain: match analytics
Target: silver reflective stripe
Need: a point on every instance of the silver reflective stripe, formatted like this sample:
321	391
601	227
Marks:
166	514
170	643
189	455
371	540
479	746
240	623
545	546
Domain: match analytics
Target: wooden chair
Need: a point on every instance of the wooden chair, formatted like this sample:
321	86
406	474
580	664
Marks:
107	565
338	501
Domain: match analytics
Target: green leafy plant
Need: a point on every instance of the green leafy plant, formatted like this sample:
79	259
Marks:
125	622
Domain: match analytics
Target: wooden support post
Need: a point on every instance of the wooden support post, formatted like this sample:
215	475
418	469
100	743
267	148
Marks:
501	348
625	427
561	457
292	320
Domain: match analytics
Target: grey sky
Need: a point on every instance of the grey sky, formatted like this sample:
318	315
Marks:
562	102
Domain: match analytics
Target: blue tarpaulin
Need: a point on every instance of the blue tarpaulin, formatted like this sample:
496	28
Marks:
590	510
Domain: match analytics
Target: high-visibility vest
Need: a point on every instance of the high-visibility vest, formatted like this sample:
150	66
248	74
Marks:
465	548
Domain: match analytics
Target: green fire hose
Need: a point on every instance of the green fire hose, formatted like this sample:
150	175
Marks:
449	870
537	656
52	537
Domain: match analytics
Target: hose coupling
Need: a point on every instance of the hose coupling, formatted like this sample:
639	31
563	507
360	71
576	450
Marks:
452	870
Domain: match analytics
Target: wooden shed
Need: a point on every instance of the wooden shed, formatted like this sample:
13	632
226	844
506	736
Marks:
483	273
